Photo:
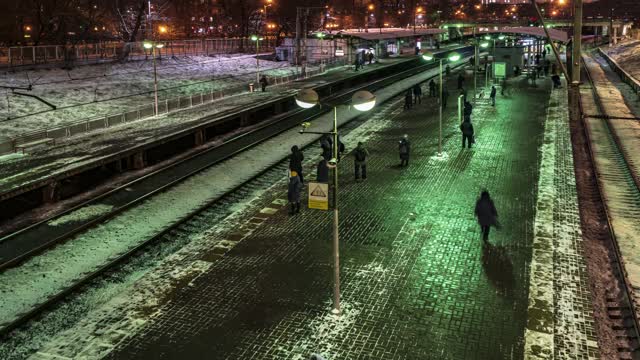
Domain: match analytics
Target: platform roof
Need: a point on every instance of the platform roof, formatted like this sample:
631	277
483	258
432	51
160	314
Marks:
391	33
556	35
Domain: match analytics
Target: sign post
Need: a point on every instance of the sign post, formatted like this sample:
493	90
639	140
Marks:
318	196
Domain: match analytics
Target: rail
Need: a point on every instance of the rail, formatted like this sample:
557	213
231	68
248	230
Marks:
628	287
625	76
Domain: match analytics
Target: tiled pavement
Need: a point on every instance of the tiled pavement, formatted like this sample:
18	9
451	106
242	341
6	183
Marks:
416	281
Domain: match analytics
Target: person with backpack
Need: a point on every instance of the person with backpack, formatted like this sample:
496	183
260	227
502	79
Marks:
404	148
467	132
417	94
295	161
293	192
487	214
493	95
360	154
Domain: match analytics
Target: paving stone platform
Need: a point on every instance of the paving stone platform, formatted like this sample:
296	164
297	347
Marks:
417	282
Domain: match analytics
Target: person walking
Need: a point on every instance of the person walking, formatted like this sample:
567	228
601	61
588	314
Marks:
360	154
404	148
417	94
408	100
460	81
264	82
493	95
467	132
293	193
357	63
295	161
468	109
341	148
432	88
486	213
322	172
445	96
503	87
447	70
370	58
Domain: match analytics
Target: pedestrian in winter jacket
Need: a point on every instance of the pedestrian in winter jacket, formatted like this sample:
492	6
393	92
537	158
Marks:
460	81
493	95
293	193
404	148
486	213
322	172
432	88
417	94
468	109
263	83
360	154
445	97
408	100
295	161
326	145
467	132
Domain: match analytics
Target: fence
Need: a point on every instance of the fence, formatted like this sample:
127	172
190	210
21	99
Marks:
8	145
625	76
111	51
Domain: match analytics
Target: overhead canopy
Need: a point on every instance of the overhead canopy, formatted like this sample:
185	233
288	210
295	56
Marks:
556	35
391	33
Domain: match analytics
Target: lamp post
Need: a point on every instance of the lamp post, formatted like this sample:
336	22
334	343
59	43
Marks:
361	101
257	39
320	36
153	46
454	56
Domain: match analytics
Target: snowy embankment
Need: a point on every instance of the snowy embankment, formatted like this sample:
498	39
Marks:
96	90
38	278
627	55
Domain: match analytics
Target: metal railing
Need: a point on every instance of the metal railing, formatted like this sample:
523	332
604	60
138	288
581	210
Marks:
625	76
146	111
86	53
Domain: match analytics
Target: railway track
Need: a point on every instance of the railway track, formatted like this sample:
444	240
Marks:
155	183
615	191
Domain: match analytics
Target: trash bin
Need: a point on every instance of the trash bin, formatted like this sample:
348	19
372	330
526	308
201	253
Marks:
251	87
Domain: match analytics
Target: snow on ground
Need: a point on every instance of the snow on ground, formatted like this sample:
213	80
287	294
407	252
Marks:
126	313
627	55
96	90
81	214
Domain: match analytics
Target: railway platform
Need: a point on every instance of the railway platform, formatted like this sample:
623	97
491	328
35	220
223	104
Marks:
417	281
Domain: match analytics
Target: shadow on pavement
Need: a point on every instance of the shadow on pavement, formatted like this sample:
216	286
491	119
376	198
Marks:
499	268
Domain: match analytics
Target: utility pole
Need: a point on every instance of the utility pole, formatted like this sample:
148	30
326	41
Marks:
297	49
577	42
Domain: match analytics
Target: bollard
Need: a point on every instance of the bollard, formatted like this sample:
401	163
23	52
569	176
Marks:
250	87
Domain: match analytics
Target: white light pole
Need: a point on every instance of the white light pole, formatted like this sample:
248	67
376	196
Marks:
320	36
361	101
153	46
454	56
257	39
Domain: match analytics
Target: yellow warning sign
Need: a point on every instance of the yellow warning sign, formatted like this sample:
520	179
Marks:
318	196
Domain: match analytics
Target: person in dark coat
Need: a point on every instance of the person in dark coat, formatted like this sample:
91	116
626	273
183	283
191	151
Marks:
493	95
556	81
293	193
341	148
432	88
486	213
295	161
404	148
445	96
326	145
437	45
360	154
447	70
460	81
370	58
468	109
408	100
357	63
322	173
467	132
417	94
264	82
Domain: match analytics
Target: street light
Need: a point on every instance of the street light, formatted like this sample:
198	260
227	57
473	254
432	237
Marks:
257	39
453	56
320	36
153	46
361	101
